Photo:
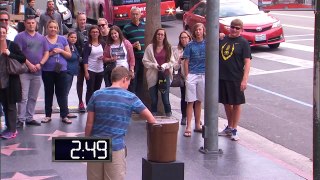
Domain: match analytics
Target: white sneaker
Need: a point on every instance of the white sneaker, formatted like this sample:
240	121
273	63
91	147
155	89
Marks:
234	135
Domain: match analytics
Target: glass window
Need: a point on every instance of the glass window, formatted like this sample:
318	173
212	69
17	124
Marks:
238	9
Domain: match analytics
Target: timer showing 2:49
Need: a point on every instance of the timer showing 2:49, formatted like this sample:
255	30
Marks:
83	149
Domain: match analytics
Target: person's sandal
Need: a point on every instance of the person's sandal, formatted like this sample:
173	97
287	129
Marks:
46	120
66	120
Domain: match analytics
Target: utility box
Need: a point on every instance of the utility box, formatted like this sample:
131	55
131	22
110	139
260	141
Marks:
162	139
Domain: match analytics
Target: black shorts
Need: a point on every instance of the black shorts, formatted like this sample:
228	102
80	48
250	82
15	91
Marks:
229	93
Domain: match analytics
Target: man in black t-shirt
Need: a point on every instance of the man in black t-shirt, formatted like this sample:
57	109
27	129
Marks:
234	67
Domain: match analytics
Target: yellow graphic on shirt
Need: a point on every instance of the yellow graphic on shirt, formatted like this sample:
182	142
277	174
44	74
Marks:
227	51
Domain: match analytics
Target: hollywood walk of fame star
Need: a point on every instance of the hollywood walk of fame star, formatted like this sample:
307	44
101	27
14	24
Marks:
58	133
8	150
19	176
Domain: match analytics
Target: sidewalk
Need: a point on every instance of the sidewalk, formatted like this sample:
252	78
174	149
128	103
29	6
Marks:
252	157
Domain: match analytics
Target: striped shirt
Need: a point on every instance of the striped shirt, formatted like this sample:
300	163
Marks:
135	33
113	107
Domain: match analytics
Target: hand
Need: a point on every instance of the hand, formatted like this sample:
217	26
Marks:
57	50
6	52
87	76
243	85
38	66
32	68
159	68
132	74
100	58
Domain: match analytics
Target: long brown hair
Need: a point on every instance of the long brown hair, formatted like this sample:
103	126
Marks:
166	44
116	28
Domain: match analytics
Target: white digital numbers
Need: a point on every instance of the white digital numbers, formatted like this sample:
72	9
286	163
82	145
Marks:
104	149
77	149
89	146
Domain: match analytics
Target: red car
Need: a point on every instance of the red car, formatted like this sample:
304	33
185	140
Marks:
259	28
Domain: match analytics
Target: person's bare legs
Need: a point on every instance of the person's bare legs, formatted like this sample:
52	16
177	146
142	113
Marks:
189	115
228	109
236	111
197	114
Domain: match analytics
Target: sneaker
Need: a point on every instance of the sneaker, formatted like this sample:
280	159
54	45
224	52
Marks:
20	124
225	132
3	132
169	114
183	121
9	135
234	135
81	107
46	120
33	123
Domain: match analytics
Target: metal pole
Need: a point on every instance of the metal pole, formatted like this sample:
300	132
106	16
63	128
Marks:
210	133
316	96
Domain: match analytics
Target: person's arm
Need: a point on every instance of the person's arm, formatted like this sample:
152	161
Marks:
246	70
43	60
16	53
186	67
89	124
148	115
148	58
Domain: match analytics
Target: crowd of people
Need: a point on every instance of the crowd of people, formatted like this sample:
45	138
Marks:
95	53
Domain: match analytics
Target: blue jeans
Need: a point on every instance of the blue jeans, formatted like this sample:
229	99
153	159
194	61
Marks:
153	91
69	79
55	83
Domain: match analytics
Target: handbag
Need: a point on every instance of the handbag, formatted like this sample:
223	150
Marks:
109	66
162	82
178	80
14	67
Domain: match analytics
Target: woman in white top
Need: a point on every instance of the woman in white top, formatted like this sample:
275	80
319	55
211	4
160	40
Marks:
118	50
93	61
184	39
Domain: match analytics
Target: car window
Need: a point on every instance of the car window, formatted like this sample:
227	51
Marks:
238	9
200	10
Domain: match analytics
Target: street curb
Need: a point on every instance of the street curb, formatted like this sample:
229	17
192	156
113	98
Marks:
277	153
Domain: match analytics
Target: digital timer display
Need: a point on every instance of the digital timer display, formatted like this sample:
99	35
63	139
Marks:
81	149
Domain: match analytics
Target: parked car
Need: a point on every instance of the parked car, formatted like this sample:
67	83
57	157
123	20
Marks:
259	28
65	12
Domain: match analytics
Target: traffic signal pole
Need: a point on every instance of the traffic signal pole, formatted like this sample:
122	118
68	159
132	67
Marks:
211	108
316	95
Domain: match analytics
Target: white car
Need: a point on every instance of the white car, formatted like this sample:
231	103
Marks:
65	12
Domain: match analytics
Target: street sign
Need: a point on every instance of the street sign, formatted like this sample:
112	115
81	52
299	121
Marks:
286	5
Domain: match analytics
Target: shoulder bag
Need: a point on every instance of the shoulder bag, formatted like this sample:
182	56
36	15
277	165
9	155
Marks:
14	67
178	80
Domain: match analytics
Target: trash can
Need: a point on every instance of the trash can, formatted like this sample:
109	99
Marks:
162	139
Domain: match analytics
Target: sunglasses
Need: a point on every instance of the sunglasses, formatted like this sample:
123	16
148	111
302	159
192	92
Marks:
101	25
235	27
4	20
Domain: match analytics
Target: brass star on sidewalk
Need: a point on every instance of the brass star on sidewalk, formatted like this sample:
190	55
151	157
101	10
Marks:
58	133
18	176
8	150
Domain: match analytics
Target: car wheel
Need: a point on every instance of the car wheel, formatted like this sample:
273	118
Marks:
274	46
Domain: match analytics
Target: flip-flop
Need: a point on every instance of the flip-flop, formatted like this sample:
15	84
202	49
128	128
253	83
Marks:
198	130
187	134
71	116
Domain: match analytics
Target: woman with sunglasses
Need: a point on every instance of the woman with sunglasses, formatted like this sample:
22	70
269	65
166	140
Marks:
54	72
93	61
10	87
120	51
184	39
158	56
